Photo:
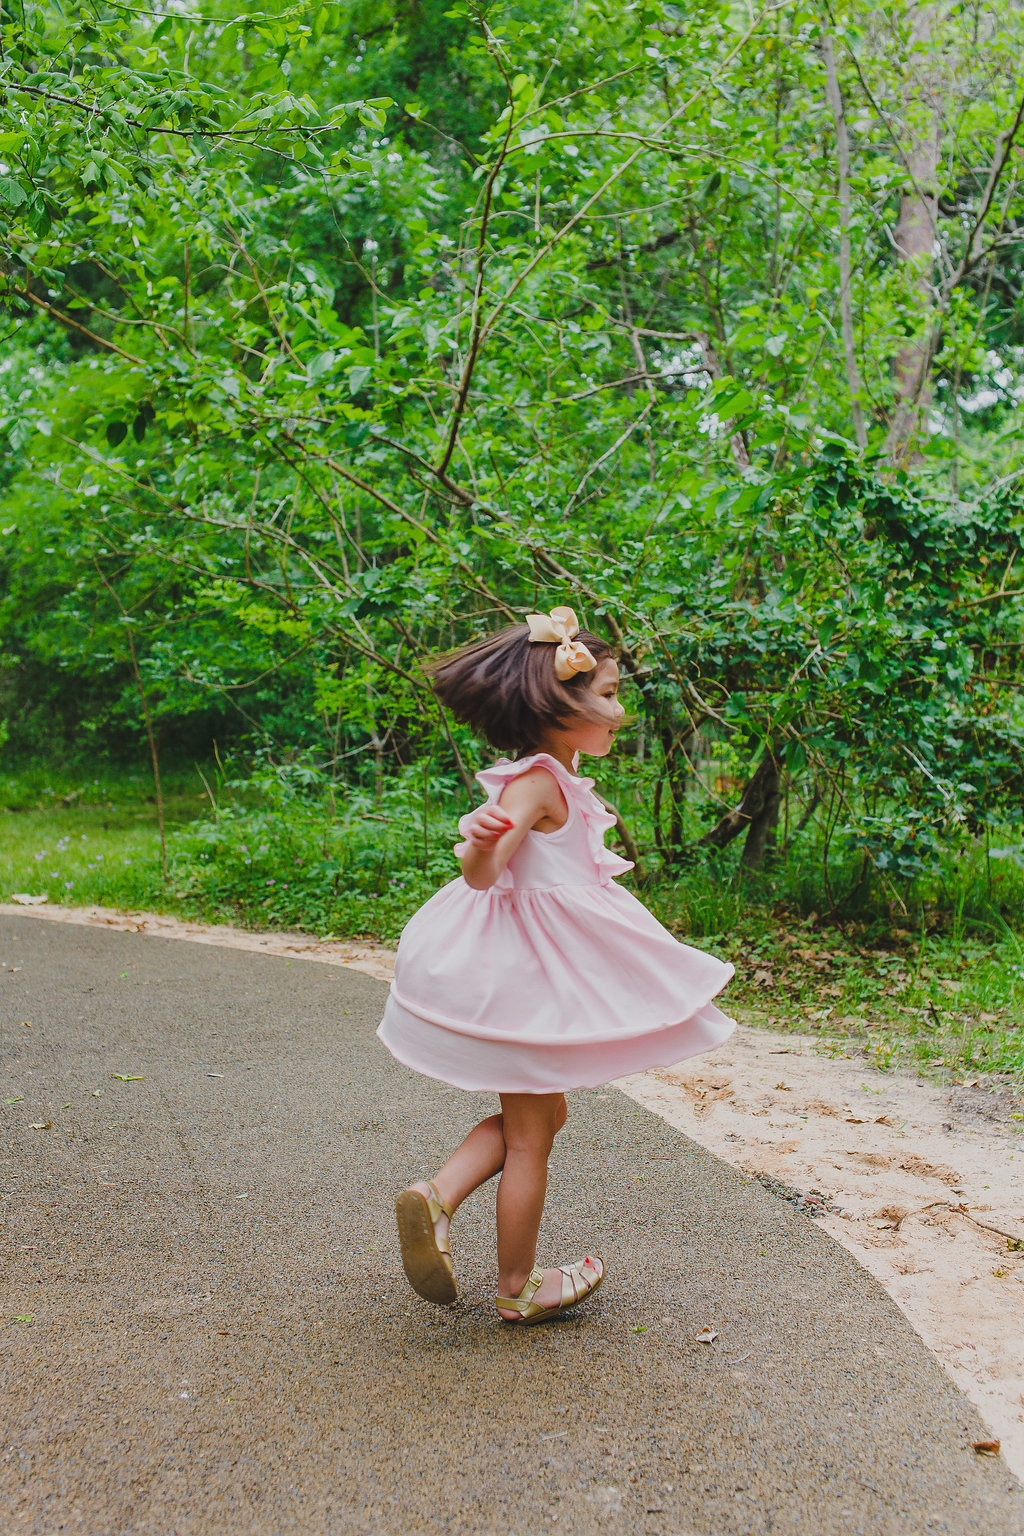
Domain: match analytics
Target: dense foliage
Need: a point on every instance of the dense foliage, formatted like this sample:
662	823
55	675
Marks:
336	334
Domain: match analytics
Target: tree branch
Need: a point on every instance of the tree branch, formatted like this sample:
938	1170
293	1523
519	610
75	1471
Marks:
835	101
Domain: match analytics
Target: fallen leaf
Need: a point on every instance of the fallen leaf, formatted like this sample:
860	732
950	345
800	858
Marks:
127	1077
16	1100
707	1335
40	1125
25	1024
784	1087
852	1120
986	1447
27	1319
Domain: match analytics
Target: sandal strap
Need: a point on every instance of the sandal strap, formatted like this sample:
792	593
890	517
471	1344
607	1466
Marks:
443	1208
523	1302
571	1273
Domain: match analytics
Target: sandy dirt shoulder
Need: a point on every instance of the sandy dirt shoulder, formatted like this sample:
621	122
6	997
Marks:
923	1185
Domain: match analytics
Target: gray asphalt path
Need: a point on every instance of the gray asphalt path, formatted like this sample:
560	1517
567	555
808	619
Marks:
221	1339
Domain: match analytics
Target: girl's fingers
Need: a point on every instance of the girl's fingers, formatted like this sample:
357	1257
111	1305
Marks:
483	837
488	826
493	821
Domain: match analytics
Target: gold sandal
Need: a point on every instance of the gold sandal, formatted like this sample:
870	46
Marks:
426	1258
572	1293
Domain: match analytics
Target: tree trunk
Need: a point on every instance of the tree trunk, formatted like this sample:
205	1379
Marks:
761	834
835	101
915	238
737	442
808	813
673	749
757	812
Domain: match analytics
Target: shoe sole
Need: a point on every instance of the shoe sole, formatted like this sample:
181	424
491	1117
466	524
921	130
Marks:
424	1265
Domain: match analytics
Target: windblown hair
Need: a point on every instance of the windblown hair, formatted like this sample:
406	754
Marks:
506	690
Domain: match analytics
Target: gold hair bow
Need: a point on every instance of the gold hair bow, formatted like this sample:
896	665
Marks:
558	627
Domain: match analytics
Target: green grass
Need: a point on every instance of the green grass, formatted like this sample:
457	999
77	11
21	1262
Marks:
950	1009
82	840
939	990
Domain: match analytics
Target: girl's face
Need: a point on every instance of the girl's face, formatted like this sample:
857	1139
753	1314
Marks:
593	734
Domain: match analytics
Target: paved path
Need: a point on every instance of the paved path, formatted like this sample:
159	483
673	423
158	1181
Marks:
200	1363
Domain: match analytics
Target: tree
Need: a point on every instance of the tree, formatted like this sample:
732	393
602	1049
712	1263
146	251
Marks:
331	386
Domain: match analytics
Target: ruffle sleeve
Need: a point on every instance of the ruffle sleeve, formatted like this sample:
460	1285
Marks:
579	796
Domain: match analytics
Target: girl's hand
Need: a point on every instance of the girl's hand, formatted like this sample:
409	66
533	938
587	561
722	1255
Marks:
486	825
493	832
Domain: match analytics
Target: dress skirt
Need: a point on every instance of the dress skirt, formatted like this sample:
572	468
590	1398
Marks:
543	991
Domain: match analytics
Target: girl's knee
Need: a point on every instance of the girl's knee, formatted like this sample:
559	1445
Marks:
533	1126
536	1139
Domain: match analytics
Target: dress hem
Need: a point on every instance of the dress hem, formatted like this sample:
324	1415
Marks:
561	1042
642	1061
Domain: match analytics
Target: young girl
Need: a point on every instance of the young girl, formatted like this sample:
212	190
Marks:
534	973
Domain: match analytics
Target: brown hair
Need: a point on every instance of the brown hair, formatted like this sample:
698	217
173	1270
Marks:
505	687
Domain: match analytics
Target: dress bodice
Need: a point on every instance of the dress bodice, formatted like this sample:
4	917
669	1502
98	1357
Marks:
574	854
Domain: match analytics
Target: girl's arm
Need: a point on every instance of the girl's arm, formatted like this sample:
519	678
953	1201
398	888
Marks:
495	831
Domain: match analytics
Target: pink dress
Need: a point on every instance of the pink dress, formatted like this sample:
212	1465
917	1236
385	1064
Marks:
556	977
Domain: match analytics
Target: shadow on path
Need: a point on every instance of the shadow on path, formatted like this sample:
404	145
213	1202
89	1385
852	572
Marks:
221	1339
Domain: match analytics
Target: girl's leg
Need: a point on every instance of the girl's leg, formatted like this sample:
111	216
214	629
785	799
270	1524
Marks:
531	1122
478	1159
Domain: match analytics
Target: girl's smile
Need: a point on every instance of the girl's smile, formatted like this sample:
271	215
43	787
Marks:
592	733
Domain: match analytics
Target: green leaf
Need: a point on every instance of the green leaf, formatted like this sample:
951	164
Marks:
371	117
12	193
116	433
321	364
